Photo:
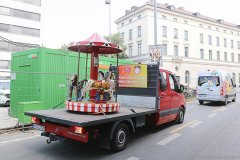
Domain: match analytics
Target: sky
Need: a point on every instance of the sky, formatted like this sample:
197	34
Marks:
65	21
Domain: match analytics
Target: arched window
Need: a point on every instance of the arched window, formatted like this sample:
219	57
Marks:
187	77
234	78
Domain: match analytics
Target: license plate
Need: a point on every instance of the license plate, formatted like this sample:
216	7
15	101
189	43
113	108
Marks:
38	127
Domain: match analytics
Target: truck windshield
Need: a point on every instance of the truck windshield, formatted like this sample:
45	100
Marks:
210	80
4	85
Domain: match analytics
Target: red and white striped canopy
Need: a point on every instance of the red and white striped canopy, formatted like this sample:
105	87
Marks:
95	43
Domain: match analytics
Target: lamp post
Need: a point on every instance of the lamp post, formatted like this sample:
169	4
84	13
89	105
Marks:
108	2
155	22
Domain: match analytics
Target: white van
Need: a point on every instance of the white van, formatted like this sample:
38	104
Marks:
4	92
215	86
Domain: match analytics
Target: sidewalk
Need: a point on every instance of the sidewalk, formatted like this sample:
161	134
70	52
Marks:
5	120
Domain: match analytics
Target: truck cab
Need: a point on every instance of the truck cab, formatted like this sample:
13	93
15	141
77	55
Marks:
172	101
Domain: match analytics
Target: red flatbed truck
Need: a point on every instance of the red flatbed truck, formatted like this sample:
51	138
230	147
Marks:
161	102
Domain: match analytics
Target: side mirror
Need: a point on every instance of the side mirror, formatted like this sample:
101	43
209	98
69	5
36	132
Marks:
163	87
181	88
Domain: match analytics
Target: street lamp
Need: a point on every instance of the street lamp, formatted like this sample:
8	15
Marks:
108	2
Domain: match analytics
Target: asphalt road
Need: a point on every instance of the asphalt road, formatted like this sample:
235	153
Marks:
209	132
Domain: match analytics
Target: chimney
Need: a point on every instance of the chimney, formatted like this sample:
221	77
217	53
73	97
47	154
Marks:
171	7
220	21
197	14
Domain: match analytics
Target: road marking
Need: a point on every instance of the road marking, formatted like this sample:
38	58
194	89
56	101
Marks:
19	139
220	109
212	115
183	126
132	158
195	124
169	139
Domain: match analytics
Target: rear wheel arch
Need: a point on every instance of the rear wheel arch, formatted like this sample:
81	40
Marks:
128	122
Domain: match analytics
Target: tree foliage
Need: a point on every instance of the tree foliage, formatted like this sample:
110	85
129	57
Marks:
116	38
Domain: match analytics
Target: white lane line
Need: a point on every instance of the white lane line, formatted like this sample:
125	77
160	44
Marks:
212	115
195	124
169	139
132	158
19	139
223	109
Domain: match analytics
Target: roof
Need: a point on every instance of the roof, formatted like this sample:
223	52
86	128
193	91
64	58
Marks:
180	10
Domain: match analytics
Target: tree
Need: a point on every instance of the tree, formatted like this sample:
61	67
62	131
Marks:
116	38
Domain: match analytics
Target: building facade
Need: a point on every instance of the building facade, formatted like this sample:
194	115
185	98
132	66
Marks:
190	41
19	28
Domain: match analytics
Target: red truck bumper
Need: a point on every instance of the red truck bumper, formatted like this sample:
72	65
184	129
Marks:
65	132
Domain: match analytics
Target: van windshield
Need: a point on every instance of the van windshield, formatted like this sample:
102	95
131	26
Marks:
4	85
209	81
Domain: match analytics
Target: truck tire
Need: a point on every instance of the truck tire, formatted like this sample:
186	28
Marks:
180	116
120	137
234	99
201	102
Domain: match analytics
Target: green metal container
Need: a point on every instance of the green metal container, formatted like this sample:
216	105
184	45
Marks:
43	74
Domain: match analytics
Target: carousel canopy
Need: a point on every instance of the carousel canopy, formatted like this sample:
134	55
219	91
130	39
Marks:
95	43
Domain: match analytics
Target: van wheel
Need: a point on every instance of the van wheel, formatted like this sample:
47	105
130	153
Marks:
201	102
226	101
120	137
180	116
234	99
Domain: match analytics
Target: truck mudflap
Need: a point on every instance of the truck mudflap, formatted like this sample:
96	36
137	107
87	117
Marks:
56	132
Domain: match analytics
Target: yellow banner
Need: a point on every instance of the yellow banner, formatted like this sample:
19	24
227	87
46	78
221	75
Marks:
134	76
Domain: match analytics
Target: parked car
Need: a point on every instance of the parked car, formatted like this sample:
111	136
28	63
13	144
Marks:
215	86
4	92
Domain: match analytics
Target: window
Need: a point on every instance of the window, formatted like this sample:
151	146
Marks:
33	2
210	54
122	36
139	48
224	31
5	64
5	11
24	14
186	35
164	49
232	57
164	31
175	33
4	27
201	53
218	55
176	50
139	16
201	38
238	57
130	34
209	27
24	31
122	24
232	45
175	19
187	78
217	29
217	41
225	42
4	46
164	17
201	25
130	20
225	56
185	21
238	44
130	51
173	83
139	31
209	40
186	51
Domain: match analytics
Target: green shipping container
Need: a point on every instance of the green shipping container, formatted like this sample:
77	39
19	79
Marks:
42	75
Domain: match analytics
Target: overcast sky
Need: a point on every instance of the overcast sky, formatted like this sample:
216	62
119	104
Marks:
64	21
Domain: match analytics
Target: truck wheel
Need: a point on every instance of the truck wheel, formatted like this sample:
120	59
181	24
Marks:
180	116
234	99
120	137
201	102
226	101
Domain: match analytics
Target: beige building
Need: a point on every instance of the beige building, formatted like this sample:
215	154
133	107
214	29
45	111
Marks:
190	41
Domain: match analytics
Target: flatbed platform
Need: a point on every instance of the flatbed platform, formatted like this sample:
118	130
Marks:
63	116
